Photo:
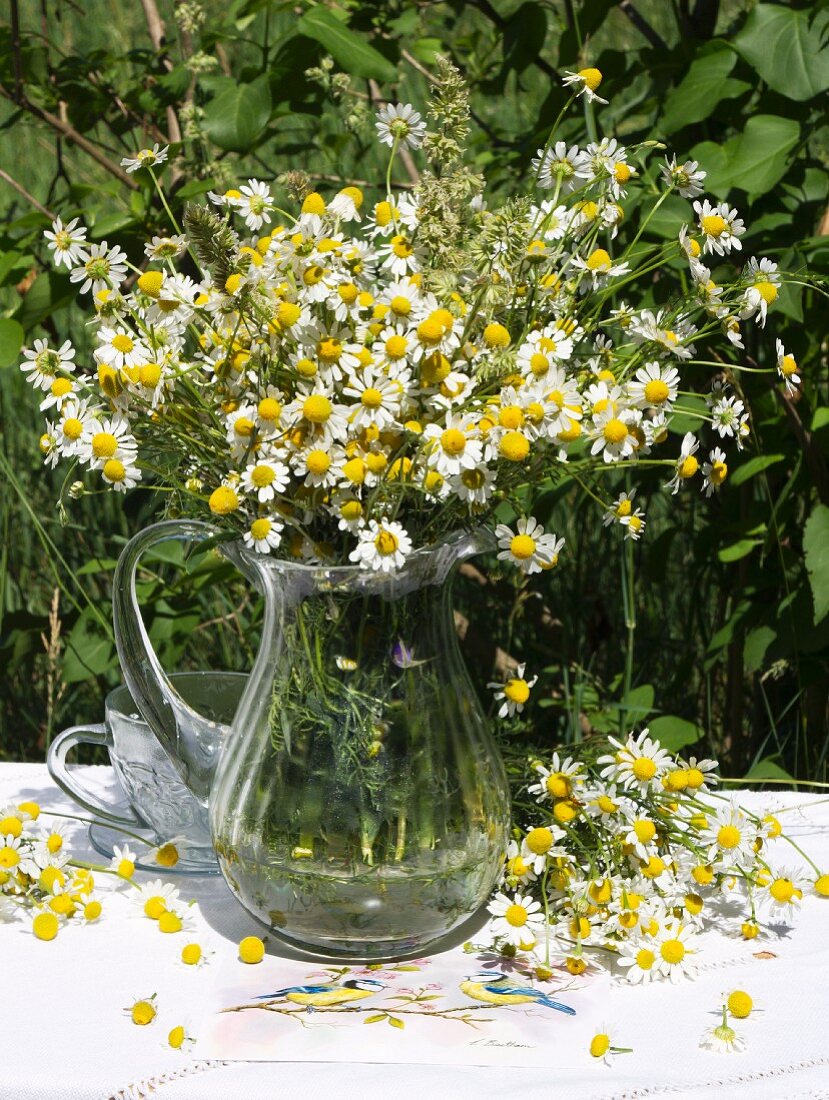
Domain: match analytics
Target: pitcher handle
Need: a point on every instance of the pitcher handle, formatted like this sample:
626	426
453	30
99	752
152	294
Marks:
176	725
60	748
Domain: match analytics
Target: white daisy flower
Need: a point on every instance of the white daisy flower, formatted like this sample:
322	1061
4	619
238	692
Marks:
165	248
518	920
121	473
599	266
76	419
400	123
530	548
585	81
378	398
675	948
320	465
266	477
254	203
539	843
68	242
720	225
559	780
107	438
687	177
570	167
145	158
513	693
654	386
101	268
450	447
42	364
728	414
123	861
687	464
612	435
786	366
120	349
729	838
398	256
782	892
346	204
154	898
474	486
638	763
714	471
763	291
264	534
723	1039
383	546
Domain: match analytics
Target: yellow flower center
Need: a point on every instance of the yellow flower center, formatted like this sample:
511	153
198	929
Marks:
269	409
599	1045
782	889
154	907
114	470
517	691
622	172
287	314
318	462
60	387
514	447
728	837
672	951
104	445
558	785
522	547
539	840
251	949
45	926
262	476
643	768
126	868
176	1037
223	501
191	954
511	416
143	1013
788	366
598	260
244	427
317	408
11	826
624	508
615	430
313	275
645	830
473	479
401	247
713	225
688	467
260	529
400	305
564	812
313	203
600	892
496	336
386	542
654	867
591	77
122	343
606	805
516	915
656	392
453	441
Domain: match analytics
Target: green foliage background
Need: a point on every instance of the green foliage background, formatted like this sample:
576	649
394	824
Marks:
729	612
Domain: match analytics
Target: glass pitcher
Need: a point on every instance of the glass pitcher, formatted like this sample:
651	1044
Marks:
359	807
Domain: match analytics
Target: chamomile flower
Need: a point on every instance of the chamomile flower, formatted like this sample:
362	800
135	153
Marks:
723	1039
529	548
728	415
686	177
42	364
383	546
787	367
518	919
265	478
687	464
474	486
100	268
165	248
559	780
378	400
599	266
121	473
264	534
123	861
612	436
638	960
763	289
729	838
603	1046
107	438
121	349
783	891
145	158
539	844
654	386
452	446
67	242
321	466
714	471
720	226
585	82
513	693
254	203
346	204
400	124
560	165
637	764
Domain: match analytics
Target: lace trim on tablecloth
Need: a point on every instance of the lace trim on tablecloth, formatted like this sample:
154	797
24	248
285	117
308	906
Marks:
724	1082
141	1090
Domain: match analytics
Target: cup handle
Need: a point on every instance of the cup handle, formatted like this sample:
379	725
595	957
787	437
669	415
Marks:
59	749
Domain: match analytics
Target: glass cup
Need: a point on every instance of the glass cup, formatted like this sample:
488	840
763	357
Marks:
158	798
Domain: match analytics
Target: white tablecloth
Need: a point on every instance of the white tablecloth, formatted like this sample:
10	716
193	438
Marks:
65	1035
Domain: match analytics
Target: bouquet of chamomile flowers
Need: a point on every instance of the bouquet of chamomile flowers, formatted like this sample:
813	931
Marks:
629	856
339	380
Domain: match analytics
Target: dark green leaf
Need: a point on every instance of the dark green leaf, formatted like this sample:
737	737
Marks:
235	118
674	733
753	467
767	769
89	650
758	157
11	341
704	86
788	51
737	550
346	47
756	646
816	550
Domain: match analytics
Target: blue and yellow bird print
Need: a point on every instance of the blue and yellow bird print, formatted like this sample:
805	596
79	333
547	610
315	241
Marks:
495	988
326	994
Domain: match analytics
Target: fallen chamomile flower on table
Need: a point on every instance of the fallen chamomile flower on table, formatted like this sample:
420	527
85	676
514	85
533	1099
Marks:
603	1045
723	1038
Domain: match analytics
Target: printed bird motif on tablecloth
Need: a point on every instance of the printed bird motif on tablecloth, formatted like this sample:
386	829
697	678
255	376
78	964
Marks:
496	989
326	994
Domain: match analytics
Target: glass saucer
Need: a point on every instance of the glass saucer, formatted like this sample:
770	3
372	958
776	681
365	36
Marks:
103	839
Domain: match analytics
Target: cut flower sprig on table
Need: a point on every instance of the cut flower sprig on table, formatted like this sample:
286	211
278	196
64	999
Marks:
630	855
334	380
